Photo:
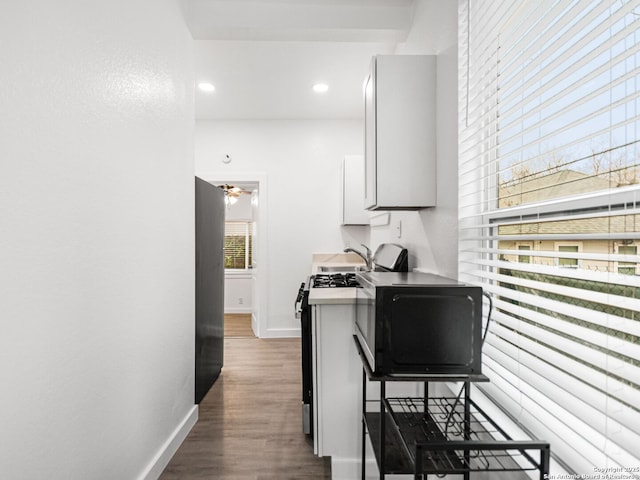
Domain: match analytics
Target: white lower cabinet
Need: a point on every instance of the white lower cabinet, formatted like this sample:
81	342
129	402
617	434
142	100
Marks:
337	378
337	373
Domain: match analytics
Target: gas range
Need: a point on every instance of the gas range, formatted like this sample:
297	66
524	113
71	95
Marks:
304	312
334	280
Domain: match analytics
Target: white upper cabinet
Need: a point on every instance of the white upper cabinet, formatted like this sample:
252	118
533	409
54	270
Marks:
400	133
353	211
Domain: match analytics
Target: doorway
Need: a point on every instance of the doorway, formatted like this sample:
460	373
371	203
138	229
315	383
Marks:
244	275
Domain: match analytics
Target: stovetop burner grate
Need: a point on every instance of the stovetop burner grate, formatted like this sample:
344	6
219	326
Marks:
335	280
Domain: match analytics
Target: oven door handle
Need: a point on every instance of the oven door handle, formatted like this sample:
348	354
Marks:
297	306
300	295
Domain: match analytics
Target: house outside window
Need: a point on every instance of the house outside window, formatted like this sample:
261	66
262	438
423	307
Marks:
238	245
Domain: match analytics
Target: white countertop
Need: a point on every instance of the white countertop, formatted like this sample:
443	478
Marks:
333	296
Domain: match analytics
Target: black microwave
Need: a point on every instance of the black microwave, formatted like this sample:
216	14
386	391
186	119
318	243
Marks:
419	324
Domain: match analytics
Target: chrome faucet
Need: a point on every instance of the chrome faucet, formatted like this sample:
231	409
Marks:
367	258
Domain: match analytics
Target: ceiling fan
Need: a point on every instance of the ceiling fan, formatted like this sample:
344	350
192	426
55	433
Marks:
232	193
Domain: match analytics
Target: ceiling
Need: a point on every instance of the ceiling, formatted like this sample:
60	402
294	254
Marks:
264	56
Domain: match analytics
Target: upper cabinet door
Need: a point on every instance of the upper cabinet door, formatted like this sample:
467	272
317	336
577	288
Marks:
400	133
370	138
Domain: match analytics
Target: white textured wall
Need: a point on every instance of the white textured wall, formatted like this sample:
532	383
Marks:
431	235
302	163
96	236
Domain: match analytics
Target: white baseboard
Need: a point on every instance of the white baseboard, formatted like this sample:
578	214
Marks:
349	468
170	447
238	309
345	468
281	333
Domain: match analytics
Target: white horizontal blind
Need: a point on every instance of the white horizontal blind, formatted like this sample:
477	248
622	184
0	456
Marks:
549	212
237	245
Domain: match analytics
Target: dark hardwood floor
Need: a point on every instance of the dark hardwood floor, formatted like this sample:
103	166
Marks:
250	425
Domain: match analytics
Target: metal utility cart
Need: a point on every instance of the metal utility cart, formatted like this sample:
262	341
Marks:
440	435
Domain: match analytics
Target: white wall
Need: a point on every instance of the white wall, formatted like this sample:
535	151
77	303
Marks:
238	293
301	160
96	242
431	235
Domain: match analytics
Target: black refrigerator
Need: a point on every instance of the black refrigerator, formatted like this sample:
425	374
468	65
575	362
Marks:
210	216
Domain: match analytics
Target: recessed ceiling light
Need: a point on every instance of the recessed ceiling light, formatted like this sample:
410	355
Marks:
206	87
320	87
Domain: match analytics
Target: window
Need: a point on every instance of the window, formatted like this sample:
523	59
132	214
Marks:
568	262
524	258
238	245
627	268
550	154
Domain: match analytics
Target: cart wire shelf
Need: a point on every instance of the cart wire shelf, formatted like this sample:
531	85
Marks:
443	438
